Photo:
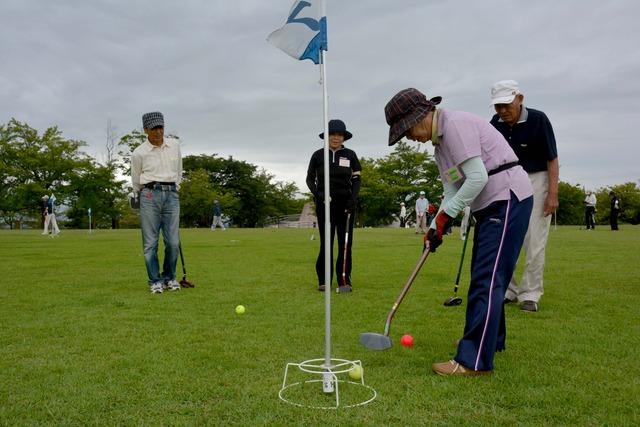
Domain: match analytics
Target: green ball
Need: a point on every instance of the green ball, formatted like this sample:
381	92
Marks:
355	373
240	309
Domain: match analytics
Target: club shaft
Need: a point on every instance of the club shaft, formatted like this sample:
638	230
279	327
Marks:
405	289
464	248
344	254
184	269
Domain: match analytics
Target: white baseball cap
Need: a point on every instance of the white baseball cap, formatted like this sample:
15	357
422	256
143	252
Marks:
504	92
422	192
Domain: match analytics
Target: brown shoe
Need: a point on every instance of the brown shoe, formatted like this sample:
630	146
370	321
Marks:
452	367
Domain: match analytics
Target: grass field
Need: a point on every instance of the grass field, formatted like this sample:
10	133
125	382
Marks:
83	342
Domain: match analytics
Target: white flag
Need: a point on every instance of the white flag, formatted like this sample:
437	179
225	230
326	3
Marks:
304	34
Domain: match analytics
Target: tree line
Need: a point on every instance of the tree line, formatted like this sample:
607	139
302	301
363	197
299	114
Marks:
33	164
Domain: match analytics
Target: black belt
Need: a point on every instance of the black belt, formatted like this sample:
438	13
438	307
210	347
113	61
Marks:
164	186
502	168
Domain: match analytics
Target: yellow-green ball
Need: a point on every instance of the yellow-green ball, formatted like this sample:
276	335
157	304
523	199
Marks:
240	309
355	373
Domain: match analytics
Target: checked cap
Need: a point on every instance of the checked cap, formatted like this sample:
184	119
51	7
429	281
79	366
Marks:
405	110
151	120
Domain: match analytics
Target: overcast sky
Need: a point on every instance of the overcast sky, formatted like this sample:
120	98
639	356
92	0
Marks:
207	66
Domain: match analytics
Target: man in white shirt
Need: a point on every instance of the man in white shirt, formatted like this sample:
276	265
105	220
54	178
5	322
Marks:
403	215
590	211
421	214
156	172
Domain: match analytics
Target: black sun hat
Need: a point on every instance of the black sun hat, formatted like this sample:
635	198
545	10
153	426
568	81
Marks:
337	126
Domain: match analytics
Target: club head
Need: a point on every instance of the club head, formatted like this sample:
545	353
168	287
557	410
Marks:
374	341
186	284
451	301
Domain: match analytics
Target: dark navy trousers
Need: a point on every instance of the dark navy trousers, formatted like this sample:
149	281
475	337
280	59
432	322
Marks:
338	221
499	233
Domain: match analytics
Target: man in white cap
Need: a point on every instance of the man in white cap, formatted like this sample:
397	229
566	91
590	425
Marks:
421	214
530	135
403	215
156	172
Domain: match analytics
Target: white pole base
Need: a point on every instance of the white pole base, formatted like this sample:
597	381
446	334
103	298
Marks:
329	377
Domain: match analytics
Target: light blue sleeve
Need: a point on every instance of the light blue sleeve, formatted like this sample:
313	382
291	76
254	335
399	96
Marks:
476	178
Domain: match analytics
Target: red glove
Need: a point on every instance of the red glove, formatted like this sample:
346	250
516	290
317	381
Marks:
434	237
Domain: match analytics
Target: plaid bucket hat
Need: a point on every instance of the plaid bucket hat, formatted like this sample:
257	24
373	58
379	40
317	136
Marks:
405	110
151	120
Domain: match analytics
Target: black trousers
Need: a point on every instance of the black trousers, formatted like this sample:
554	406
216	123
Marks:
338	223
614	219
590	217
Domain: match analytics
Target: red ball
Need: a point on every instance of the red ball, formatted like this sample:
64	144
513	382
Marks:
406	341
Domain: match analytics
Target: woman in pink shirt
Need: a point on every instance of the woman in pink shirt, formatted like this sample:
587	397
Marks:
479	169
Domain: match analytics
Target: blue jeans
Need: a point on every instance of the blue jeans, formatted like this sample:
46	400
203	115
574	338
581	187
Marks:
160	210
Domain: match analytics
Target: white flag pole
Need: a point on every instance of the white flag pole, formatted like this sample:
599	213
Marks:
327	223
329	367
327	383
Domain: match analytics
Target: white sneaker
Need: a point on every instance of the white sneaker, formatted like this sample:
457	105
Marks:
156	288
172	285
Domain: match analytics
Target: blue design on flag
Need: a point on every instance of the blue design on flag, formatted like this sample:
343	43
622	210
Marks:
304	34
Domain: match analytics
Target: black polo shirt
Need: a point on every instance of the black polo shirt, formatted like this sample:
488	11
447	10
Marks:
531	138
343	163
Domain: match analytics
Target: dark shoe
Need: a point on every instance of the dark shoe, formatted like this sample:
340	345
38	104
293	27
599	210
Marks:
344	289
453	368
529	306
321	288
509	300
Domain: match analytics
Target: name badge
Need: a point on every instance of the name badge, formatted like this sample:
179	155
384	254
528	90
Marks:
344	162
453	174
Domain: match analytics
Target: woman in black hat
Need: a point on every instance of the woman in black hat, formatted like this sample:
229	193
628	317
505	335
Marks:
344	185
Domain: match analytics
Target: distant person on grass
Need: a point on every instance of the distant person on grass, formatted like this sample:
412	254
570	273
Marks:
217	216
422	205
432	210
403	215
50	216
530	135
479	169
590	203
615	211
344	183
45	212
156	172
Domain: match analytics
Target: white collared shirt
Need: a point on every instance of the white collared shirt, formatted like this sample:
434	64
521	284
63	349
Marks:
161	164
421	205
591	200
